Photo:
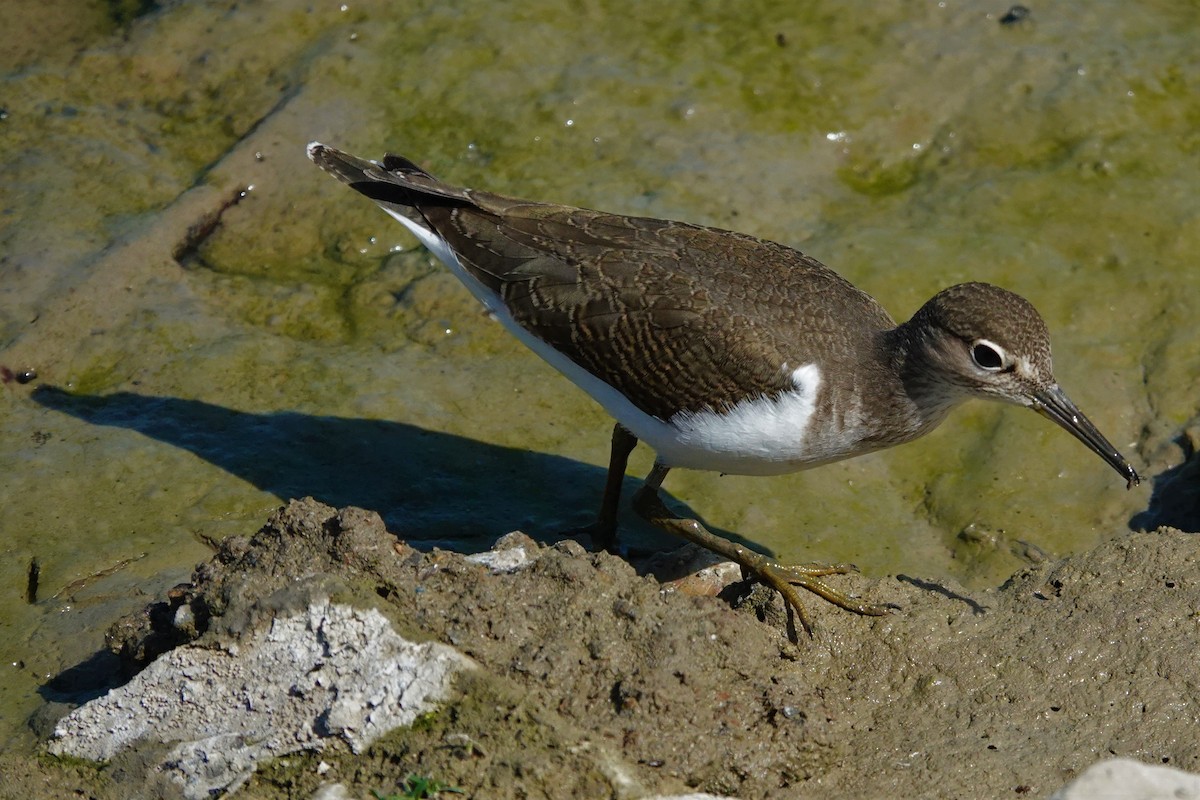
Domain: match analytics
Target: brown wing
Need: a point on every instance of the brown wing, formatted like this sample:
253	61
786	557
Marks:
676	317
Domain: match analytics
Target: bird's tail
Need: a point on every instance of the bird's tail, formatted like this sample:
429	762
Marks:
398	185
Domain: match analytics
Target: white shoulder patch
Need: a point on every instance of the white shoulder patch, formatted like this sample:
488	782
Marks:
762	436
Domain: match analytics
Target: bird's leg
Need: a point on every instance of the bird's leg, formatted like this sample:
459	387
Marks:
604	530
784	579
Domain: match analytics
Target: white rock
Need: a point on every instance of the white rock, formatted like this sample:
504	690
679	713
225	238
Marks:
1125	779
332	791
509	559
330	671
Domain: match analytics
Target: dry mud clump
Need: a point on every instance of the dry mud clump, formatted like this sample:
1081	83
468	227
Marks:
592	681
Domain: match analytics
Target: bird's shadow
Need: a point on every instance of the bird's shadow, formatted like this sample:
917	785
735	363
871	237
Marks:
431	488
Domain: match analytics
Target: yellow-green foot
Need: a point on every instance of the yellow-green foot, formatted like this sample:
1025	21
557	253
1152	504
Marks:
785	579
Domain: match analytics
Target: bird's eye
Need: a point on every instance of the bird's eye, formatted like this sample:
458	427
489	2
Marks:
987	356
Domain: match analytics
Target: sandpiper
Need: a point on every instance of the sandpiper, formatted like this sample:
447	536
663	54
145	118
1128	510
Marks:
719	350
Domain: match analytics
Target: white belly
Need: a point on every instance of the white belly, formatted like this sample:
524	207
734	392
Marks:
760	436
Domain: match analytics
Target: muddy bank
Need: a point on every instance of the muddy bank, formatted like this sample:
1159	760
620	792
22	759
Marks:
593	681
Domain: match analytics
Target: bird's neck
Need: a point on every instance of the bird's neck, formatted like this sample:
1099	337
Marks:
923	384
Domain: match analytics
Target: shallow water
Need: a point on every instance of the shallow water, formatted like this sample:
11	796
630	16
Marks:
305	346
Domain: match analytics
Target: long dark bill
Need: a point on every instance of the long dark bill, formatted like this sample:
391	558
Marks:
1053	404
